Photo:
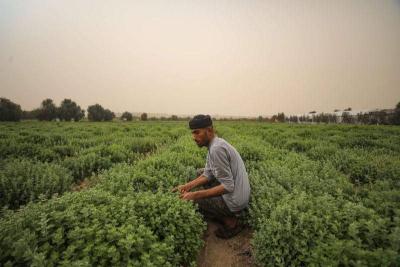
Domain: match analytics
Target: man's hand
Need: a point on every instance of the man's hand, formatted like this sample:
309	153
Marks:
201	180
188	196
182	188
218	190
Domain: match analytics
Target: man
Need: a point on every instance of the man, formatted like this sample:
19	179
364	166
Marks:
226	190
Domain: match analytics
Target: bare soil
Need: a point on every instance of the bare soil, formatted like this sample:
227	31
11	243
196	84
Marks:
85	183
235	252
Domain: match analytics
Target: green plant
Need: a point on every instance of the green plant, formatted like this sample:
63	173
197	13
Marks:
96	228
22	181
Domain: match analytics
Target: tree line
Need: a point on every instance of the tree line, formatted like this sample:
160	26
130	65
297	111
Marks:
68	110
381	117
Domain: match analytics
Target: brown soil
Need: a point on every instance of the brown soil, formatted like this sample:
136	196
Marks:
225	252
84	184
81	185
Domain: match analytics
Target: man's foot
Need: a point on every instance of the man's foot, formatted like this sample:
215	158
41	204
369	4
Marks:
230	222
227	232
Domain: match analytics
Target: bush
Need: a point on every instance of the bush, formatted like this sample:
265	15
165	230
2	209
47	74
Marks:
85	165
299	145
23	181
366	167
94	228
160	172
304	230
143	145
123	179
251	152
117	153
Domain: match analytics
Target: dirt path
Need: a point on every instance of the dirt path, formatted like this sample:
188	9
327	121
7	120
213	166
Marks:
225	253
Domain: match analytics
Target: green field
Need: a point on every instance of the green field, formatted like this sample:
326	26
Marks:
326	195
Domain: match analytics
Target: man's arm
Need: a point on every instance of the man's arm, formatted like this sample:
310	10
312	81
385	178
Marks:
201	180
223	174
212	192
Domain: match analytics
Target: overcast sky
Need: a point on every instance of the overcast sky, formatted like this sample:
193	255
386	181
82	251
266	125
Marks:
216	57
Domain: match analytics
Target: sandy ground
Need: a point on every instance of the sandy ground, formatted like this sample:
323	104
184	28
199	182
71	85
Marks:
225	252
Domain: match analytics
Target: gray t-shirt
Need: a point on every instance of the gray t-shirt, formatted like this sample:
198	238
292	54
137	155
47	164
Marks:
225	164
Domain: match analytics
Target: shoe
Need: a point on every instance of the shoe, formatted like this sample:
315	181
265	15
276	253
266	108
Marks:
226	233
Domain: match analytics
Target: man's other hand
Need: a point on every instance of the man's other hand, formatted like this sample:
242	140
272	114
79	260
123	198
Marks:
182	188
188	196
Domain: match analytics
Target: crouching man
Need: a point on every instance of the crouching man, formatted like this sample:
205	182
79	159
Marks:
226	188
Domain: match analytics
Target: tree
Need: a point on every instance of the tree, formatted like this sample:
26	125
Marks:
108	115
333	118
281	117
382	117
30	115
174	118
295	119
143	117
47	110
127	116
378	117
95	112
322	117
347	118
347	109
9	111
363	118
396	115
69	110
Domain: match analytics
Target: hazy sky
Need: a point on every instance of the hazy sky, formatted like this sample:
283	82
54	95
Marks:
214	57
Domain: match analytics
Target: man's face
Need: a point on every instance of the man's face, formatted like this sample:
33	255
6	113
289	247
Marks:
201	136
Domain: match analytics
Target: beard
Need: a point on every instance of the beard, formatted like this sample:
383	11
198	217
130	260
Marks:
205	143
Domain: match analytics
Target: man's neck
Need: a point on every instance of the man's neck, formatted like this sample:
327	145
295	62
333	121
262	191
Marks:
211	140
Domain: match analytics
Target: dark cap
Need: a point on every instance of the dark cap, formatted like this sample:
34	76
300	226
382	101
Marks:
200	121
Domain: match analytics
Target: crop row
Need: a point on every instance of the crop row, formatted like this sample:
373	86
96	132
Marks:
311	211
320	196
128	218
40	160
